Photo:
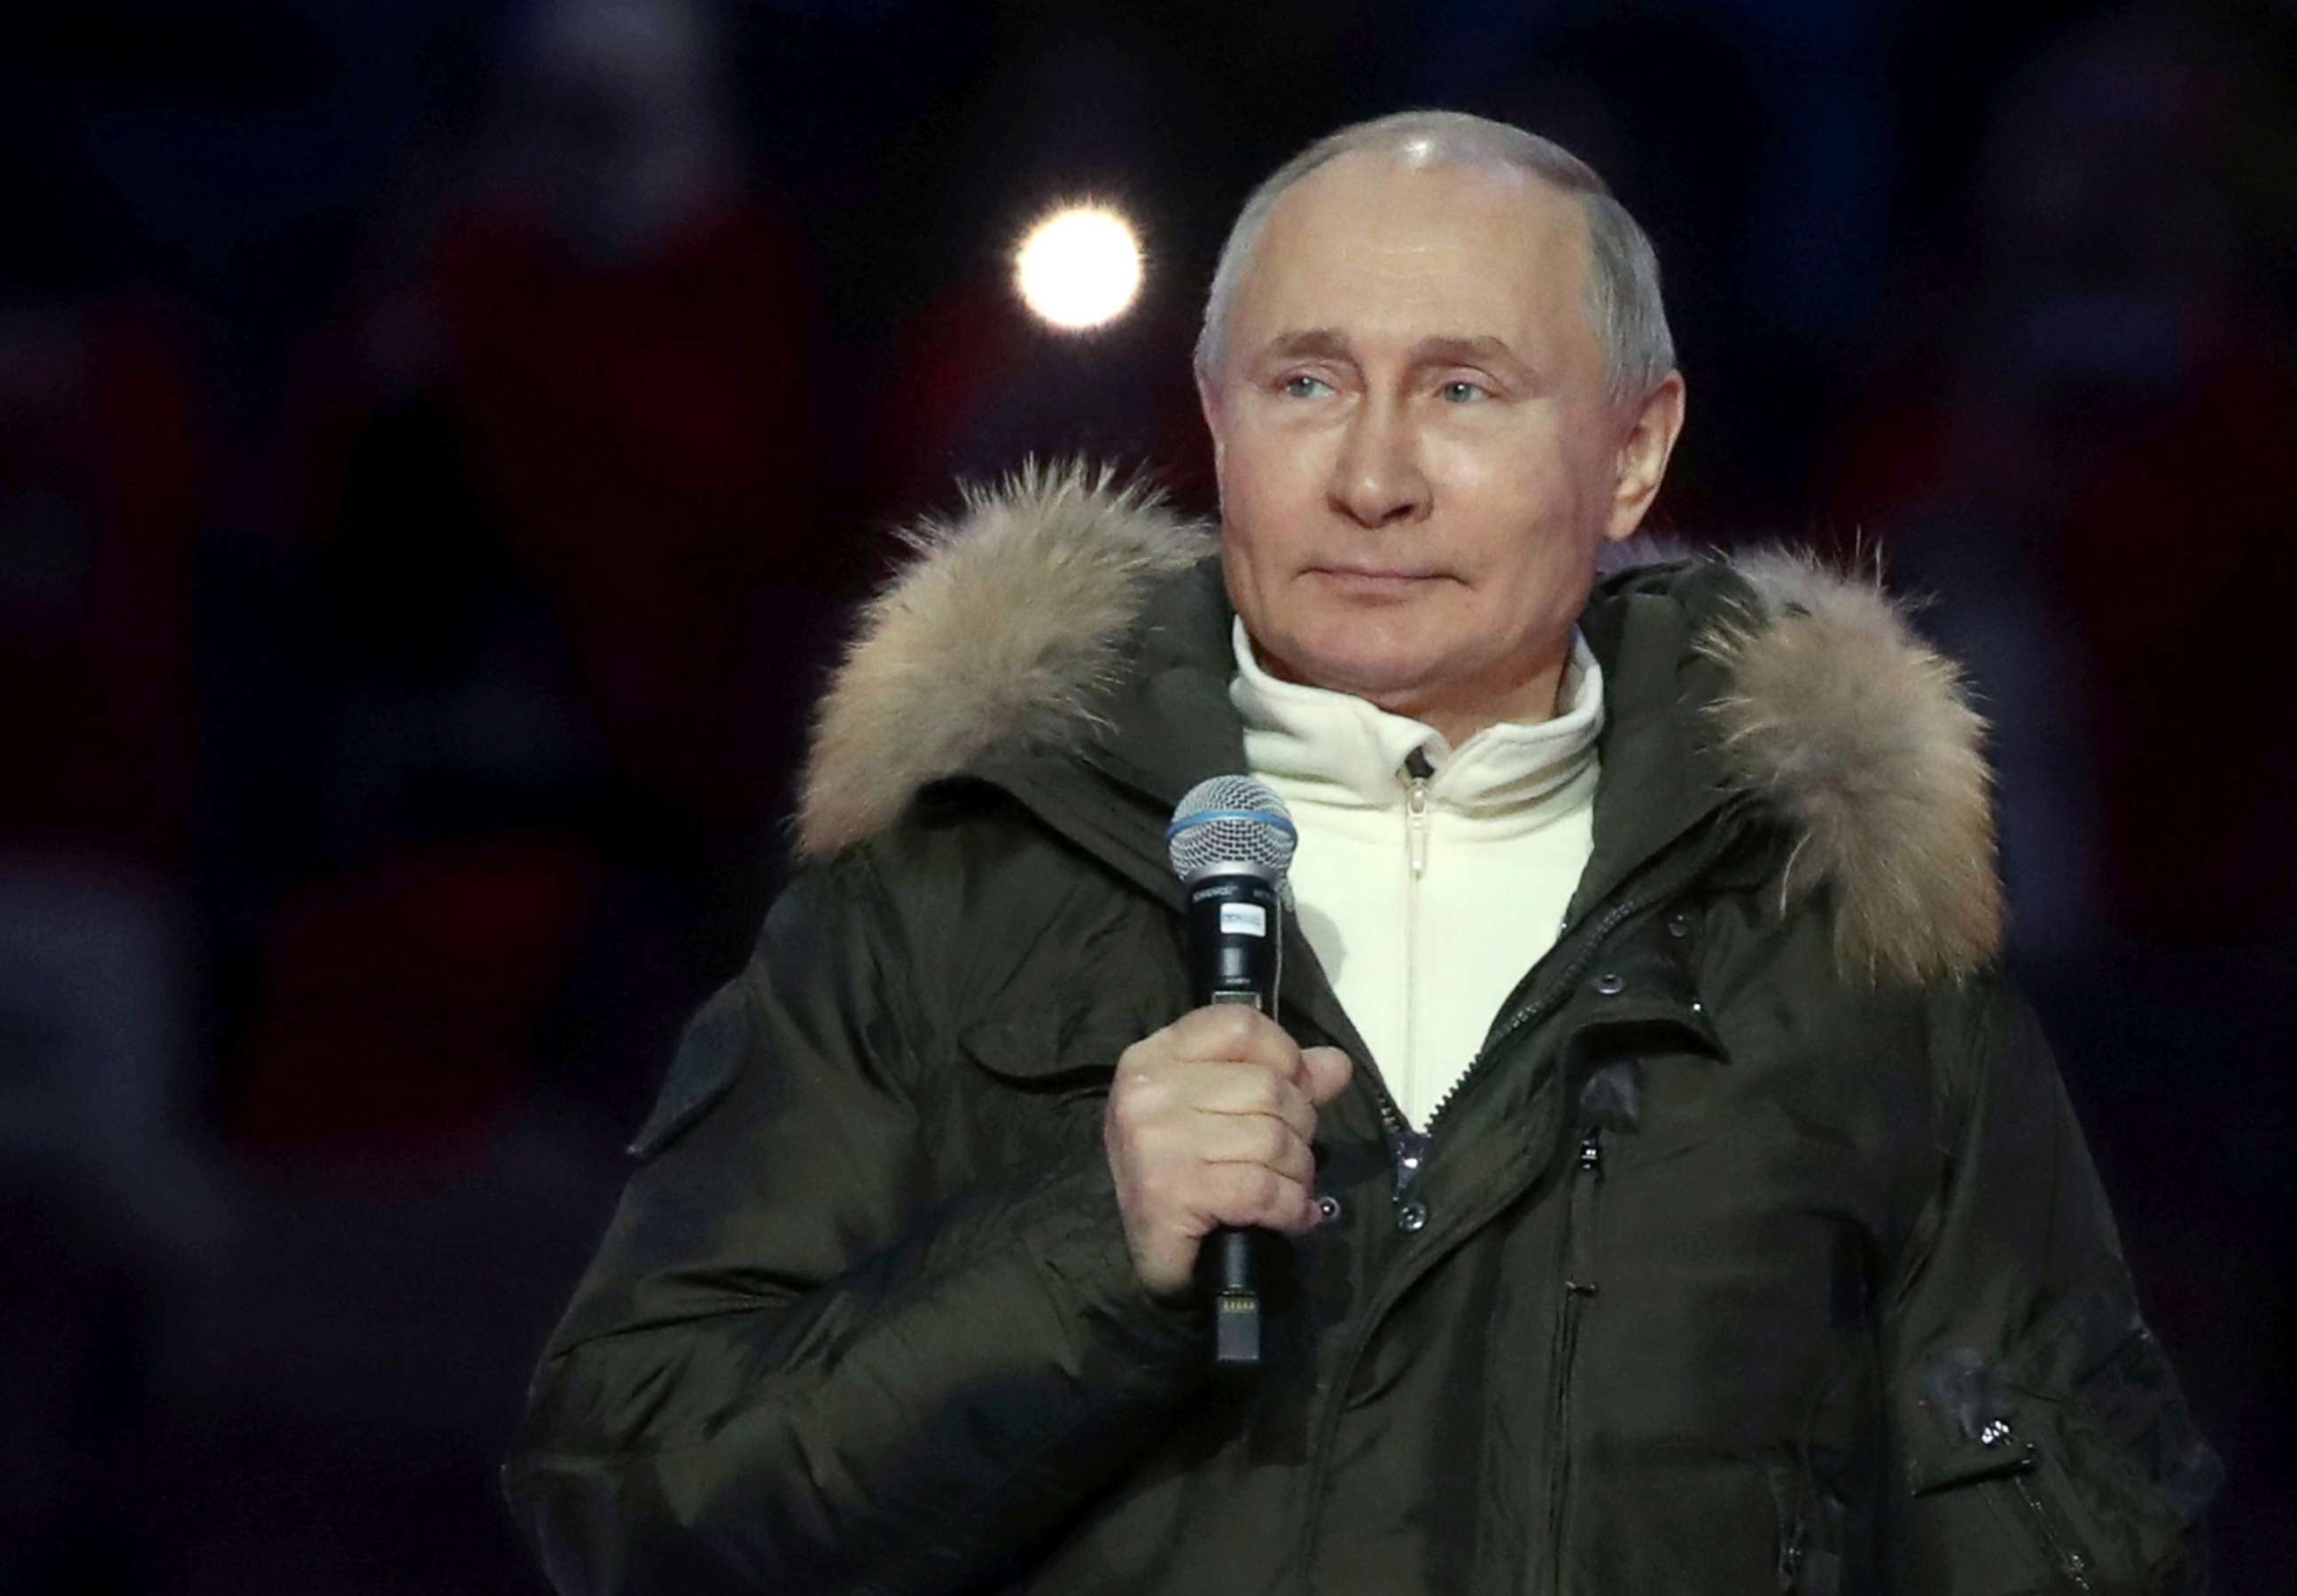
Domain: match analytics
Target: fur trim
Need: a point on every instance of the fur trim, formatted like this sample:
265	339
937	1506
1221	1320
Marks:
1849	726
1004	626
1862	737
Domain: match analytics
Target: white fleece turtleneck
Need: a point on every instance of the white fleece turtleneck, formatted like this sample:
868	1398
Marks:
1425	901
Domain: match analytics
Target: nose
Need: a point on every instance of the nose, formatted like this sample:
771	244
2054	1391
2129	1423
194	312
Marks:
1377	480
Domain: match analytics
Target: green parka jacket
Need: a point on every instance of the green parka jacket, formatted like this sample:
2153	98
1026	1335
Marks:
1758	1251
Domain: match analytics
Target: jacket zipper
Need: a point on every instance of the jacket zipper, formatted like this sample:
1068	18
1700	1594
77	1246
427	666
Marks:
1611	920
1410	1150
2056	1546
1787	1495
1578	1290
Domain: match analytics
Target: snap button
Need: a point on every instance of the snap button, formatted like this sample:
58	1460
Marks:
1411	1216
1610	983
1328	1210
1678	923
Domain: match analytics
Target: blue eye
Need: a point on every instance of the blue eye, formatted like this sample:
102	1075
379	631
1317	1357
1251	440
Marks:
1304	386
1463	392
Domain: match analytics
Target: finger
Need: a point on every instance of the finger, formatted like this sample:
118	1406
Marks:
1225	1089
1327	1072
1233	1033
1247	1196
1270	1143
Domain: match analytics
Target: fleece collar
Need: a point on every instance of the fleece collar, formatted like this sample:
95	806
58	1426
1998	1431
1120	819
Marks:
1351	753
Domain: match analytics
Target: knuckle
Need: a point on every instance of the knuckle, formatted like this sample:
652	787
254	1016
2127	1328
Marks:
1155	1186
1219	1031
1231	1029
1144	1057
1121	1121
1140	1098
1293	1104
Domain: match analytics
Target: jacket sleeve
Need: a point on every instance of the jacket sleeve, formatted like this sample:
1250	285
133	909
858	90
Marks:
798	1362
2039	1439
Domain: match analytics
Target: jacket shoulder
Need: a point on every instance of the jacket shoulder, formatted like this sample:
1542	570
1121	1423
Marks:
986	916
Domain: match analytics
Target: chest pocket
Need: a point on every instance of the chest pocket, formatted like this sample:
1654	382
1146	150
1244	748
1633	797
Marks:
1034	1078
1052	1050
1637	1014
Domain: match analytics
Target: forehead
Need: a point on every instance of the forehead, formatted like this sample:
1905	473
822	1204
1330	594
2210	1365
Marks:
1381	247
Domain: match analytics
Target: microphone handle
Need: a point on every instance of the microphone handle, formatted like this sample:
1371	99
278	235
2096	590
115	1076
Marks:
1235	1301
1236	924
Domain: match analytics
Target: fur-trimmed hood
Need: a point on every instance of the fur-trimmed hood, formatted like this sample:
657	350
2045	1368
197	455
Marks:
1014	617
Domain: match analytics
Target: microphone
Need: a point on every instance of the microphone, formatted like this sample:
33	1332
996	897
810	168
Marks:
1230	841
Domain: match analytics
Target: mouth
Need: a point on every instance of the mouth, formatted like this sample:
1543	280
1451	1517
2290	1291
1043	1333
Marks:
1373	577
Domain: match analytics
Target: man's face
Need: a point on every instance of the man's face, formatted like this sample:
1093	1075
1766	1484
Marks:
1417	458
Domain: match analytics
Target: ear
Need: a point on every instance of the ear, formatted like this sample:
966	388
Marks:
1643	451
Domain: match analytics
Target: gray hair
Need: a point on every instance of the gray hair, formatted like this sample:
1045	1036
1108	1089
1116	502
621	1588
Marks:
1622	269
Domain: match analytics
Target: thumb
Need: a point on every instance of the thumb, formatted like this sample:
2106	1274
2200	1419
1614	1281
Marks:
1327	1070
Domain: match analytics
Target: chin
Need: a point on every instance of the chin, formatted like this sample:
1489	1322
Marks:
1378	674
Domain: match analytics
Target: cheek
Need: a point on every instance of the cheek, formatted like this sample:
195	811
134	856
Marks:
1482	466
1266	493
1269	464
1535	486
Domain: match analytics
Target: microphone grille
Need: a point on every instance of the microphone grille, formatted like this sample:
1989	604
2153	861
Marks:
1230	820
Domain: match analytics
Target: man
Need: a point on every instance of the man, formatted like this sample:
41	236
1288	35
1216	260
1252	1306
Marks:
1674	1199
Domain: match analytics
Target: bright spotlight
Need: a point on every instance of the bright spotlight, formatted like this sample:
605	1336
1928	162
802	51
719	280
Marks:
1079	268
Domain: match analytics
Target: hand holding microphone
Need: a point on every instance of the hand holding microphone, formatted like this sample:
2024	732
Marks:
1209	1123
1210	1120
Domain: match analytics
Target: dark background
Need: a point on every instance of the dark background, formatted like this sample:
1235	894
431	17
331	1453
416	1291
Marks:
438	439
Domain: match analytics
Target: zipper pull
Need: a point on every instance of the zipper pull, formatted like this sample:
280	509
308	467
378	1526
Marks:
1416	771
1579	1279
1409	1147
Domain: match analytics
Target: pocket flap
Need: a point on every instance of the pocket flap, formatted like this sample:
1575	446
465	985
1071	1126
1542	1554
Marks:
1051	1046
2085	1404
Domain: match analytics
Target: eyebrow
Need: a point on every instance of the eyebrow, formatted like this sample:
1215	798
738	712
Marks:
1324	343
1328	344
1459	350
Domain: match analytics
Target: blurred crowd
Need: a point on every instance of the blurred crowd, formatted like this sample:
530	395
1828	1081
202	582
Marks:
438	443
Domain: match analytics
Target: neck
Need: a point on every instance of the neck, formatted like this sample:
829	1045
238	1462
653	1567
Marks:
1457	710
1350	749
1526	703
